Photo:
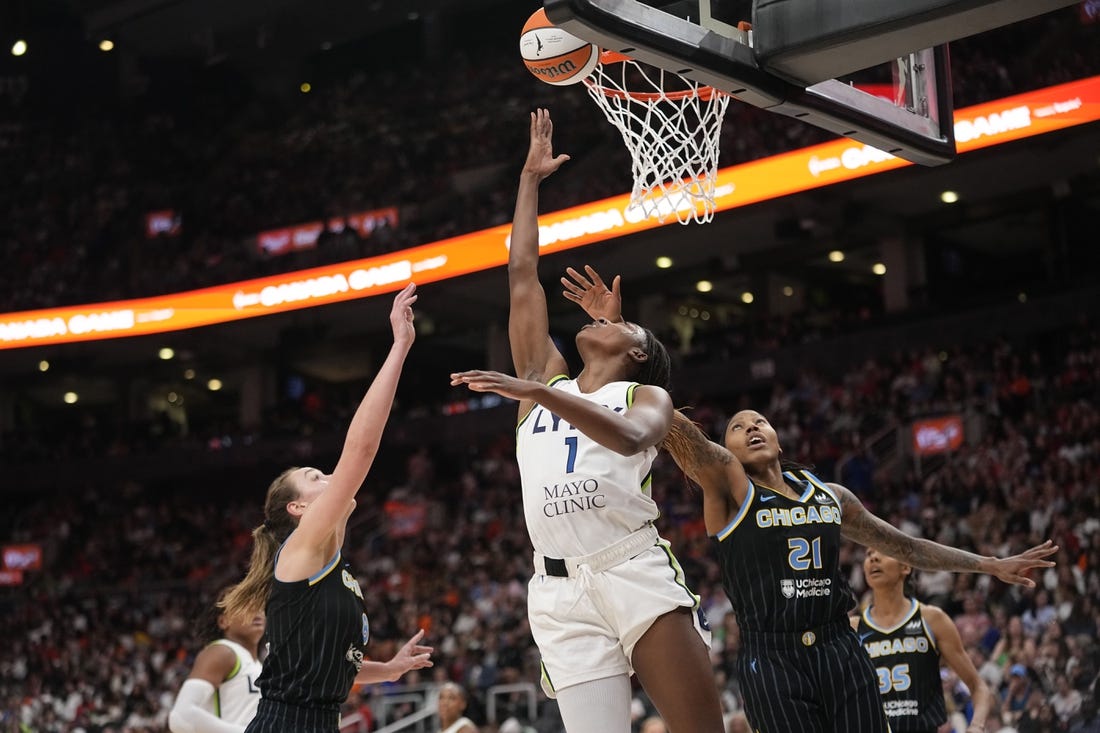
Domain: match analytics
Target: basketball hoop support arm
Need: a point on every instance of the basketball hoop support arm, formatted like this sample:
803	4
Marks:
812	40
729	65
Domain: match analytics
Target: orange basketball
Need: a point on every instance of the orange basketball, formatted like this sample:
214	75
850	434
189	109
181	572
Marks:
554	56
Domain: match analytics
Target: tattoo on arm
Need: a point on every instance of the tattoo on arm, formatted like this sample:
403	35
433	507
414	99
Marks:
868	530
693	452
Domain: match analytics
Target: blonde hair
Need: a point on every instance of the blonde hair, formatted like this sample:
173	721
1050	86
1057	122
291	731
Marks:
250	595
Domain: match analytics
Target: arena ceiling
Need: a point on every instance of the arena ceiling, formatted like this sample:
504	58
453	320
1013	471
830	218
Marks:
255	35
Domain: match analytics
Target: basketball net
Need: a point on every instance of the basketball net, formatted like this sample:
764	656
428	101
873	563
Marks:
671	126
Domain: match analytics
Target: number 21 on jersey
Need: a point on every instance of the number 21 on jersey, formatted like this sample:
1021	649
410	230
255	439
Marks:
804	553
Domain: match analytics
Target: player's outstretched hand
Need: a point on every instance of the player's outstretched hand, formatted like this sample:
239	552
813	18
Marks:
401	316
502	384
540	157
592	295
412	656
1014	569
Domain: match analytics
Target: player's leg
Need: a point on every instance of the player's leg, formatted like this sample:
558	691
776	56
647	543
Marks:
673	665
778	695
858	703
598	706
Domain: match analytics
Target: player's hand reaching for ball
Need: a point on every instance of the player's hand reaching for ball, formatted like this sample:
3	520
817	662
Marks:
541	160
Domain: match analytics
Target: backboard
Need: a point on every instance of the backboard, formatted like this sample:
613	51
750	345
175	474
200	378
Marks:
876	71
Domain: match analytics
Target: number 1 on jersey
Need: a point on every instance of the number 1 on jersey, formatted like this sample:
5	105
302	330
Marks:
571	460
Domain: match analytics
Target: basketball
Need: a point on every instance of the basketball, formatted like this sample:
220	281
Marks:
554	56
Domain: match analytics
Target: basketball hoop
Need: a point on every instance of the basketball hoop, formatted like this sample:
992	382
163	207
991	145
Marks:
670	125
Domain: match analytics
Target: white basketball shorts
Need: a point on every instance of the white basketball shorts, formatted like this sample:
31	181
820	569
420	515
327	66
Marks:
586	625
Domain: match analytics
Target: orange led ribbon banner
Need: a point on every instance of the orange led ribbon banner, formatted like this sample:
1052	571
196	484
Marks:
983	125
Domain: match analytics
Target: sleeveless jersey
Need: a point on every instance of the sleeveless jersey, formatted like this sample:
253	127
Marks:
318	630
780	558
908	666
578	496
458	725
237	696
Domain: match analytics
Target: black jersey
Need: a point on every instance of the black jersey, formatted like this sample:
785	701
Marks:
318	631
780	558
908	666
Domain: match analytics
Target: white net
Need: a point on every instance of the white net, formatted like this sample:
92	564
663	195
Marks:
671	127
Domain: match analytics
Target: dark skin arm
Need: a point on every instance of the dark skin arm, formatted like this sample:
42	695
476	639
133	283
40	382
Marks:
533	352
642	426
213	664
712	467
859	525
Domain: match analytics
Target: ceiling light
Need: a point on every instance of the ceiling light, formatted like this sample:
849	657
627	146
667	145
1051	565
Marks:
664	262
166	353
788	291
214	385
836	256
949	197
19	48
43	366
70	398
106	45
704	286
305	87
747	297
878	268
188	373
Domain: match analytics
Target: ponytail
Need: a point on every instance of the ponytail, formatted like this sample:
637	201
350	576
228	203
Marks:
250	595
657	369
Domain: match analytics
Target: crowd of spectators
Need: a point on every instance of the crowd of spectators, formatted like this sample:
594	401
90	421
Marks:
440	147
100	638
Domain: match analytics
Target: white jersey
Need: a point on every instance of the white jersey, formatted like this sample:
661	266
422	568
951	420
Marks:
458	725
578	496
236	698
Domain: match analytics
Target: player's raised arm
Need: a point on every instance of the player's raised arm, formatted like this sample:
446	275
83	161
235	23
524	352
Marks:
533	352
324	518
